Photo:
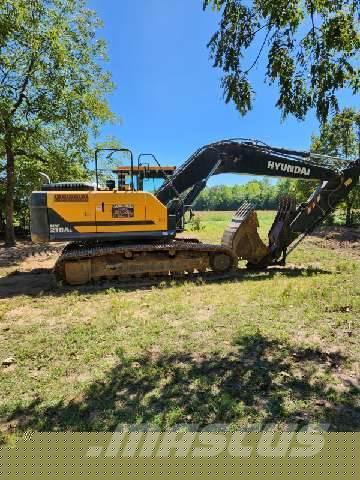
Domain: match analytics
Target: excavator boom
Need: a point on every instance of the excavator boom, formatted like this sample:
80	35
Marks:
245	157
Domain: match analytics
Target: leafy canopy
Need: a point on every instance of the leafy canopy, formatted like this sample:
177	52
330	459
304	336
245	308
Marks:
50	68
311	48
339	137
53	92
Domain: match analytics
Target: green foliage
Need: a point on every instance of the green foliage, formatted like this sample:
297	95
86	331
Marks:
49	59
195	224
340	137
107	160
262	194
52	92
311	48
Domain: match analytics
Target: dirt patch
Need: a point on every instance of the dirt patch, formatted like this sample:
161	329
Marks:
77	377
154	353
26	250
205	313
36	262
28	268
340	234
337	238
22	315
350	381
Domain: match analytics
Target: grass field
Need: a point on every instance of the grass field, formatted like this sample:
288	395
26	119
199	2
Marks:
277	347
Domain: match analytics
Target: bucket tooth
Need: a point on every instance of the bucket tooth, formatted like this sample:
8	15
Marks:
242	237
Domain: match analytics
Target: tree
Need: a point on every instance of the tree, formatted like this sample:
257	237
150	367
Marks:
311	48
341	137
52	88
54	154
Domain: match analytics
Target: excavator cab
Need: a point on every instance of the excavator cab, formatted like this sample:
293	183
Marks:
143	175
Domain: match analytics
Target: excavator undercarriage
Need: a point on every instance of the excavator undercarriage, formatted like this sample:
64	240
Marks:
81	264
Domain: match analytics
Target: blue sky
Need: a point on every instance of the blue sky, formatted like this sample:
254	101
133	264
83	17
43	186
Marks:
168	94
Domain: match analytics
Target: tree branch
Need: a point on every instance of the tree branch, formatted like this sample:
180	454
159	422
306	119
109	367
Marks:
313	31
312	20
259	53
24	86
6	74
269	24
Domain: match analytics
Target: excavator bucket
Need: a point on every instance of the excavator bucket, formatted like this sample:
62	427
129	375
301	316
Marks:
242	237
279	232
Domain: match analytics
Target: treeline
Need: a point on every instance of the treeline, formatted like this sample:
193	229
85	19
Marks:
261	193
265	196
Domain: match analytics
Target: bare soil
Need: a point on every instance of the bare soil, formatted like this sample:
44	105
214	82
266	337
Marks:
338	238
27	251
27	268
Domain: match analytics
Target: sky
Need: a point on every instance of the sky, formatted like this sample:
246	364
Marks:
168	95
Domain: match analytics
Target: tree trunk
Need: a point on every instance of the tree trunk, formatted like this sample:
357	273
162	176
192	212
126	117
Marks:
348	220
10	192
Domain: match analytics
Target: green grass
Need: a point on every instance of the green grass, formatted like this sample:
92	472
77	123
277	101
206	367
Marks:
214	223
279	346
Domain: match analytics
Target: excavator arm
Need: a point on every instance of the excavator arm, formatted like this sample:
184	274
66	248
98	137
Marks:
306	217
292	222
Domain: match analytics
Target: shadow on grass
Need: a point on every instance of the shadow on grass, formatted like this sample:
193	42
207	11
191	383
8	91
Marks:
261	381
42	281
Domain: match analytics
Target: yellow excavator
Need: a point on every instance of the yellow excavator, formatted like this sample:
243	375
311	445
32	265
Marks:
122	231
